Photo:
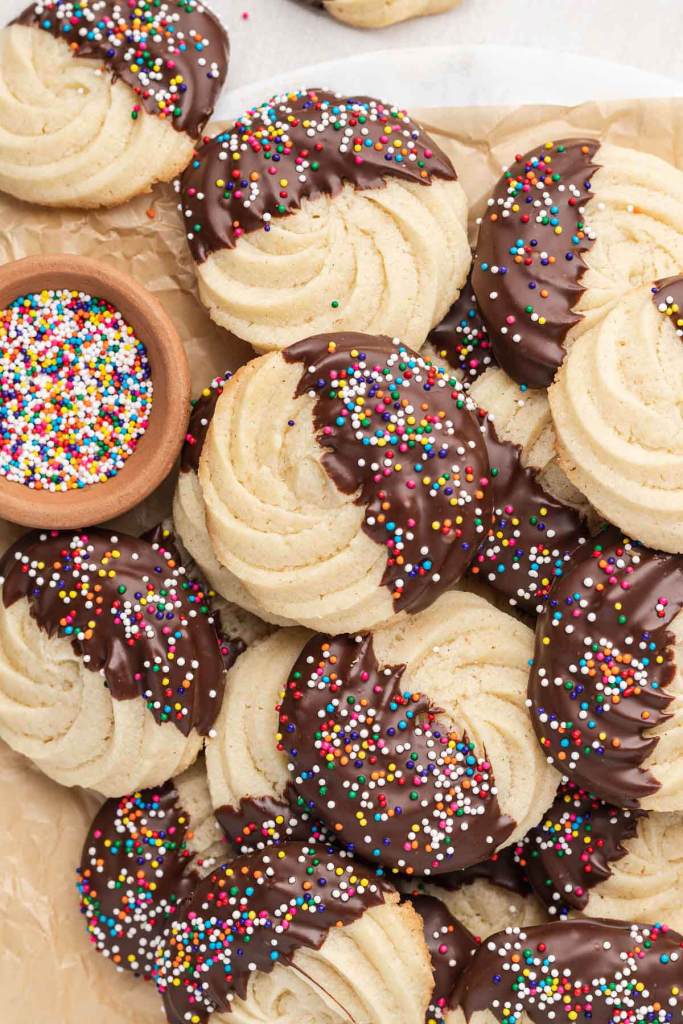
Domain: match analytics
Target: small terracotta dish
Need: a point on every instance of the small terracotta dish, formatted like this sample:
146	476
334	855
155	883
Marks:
160	444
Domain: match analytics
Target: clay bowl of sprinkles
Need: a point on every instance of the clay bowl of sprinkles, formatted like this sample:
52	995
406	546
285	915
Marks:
94	392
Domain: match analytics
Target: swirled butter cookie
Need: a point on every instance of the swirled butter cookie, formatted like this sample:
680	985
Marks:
618	412
189	514
101	99
605	689
111	663
571	228
344	481
602	971
318	212
590	857
142	858
411	743
294	933
380	13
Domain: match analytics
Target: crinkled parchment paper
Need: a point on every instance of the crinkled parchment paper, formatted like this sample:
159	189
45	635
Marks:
48	974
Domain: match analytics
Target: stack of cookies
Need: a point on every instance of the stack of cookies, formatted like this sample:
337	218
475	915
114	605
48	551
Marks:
389	717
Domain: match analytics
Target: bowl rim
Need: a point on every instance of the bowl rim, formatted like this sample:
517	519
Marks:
159	446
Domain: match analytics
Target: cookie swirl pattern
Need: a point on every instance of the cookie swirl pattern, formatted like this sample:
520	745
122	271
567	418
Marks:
96	106
295	932
495	782
345	481
618	414
317	212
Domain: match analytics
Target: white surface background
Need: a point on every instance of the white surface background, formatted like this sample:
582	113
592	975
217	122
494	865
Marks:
281	35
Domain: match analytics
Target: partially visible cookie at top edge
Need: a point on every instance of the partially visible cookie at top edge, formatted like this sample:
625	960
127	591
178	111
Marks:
151	77
379	13
570	228
309	174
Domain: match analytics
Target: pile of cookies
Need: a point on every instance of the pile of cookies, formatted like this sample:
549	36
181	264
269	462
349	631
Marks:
388	717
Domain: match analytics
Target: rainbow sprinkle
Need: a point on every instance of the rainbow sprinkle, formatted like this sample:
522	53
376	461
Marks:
75	390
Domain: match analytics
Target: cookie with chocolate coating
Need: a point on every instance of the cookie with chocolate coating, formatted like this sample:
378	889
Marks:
112	663
344	482
605	970
591	858
99	100
539	517
142	858
325	941
448	772
605	690
571	227
322	212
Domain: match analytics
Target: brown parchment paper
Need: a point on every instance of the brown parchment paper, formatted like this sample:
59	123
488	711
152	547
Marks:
48	973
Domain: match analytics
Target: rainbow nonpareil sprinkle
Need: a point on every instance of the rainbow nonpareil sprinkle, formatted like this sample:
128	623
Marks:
75	390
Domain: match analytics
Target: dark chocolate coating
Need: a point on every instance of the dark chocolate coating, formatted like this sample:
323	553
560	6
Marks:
604	971
274	146
264	821
462	339
533	535
167	39
538	254
443	475
304	880
136	870
670	288
136	617
571	850
451	947
602	663
503	870
435	811
203	409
